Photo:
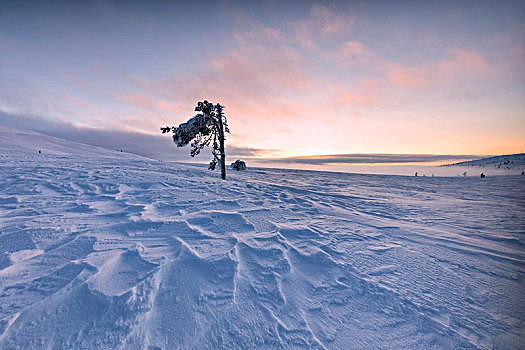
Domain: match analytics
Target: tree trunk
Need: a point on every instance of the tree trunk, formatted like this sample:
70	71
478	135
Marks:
221	145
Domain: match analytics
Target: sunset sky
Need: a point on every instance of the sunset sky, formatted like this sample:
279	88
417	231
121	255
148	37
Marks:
298	78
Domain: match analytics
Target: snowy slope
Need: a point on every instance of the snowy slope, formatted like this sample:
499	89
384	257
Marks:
106	250
512	163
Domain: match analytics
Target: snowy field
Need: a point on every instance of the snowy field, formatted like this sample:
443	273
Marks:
105	250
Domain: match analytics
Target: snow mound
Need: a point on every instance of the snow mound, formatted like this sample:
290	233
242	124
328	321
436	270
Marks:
102	249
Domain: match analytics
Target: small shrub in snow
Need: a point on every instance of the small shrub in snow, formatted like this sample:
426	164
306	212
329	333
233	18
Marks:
238	165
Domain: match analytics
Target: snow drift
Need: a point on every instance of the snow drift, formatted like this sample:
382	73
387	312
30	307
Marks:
103	249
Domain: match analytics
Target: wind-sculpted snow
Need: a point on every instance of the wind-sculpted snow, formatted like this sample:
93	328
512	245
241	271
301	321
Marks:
104	250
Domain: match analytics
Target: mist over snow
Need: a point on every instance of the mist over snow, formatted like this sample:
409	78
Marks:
102	249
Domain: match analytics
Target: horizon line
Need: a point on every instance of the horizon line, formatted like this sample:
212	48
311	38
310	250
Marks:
371	159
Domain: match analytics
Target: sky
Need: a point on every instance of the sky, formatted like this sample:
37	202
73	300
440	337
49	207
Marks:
303	82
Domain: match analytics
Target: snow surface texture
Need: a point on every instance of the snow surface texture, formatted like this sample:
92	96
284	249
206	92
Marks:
104	250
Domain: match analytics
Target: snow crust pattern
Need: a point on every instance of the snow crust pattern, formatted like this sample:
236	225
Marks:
106	250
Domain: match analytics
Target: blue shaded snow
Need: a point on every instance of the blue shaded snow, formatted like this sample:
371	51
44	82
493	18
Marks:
102	249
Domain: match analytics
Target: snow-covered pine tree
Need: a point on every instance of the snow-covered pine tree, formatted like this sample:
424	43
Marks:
205	128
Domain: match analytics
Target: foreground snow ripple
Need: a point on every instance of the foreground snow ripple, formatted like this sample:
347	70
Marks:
100	249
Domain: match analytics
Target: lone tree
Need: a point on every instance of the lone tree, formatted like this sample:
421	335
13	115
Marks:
205	128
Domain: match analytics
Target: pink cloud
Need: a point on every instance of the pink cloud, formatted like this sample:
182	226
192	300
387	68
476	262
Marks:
351	52
261	78
354	99
89	108
366	94
462	62
248	73
136	121
329	22
92	114
79	102
263	81
304	34
354	48
515	61
411	77
259	34
462	65
146	121
321	24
